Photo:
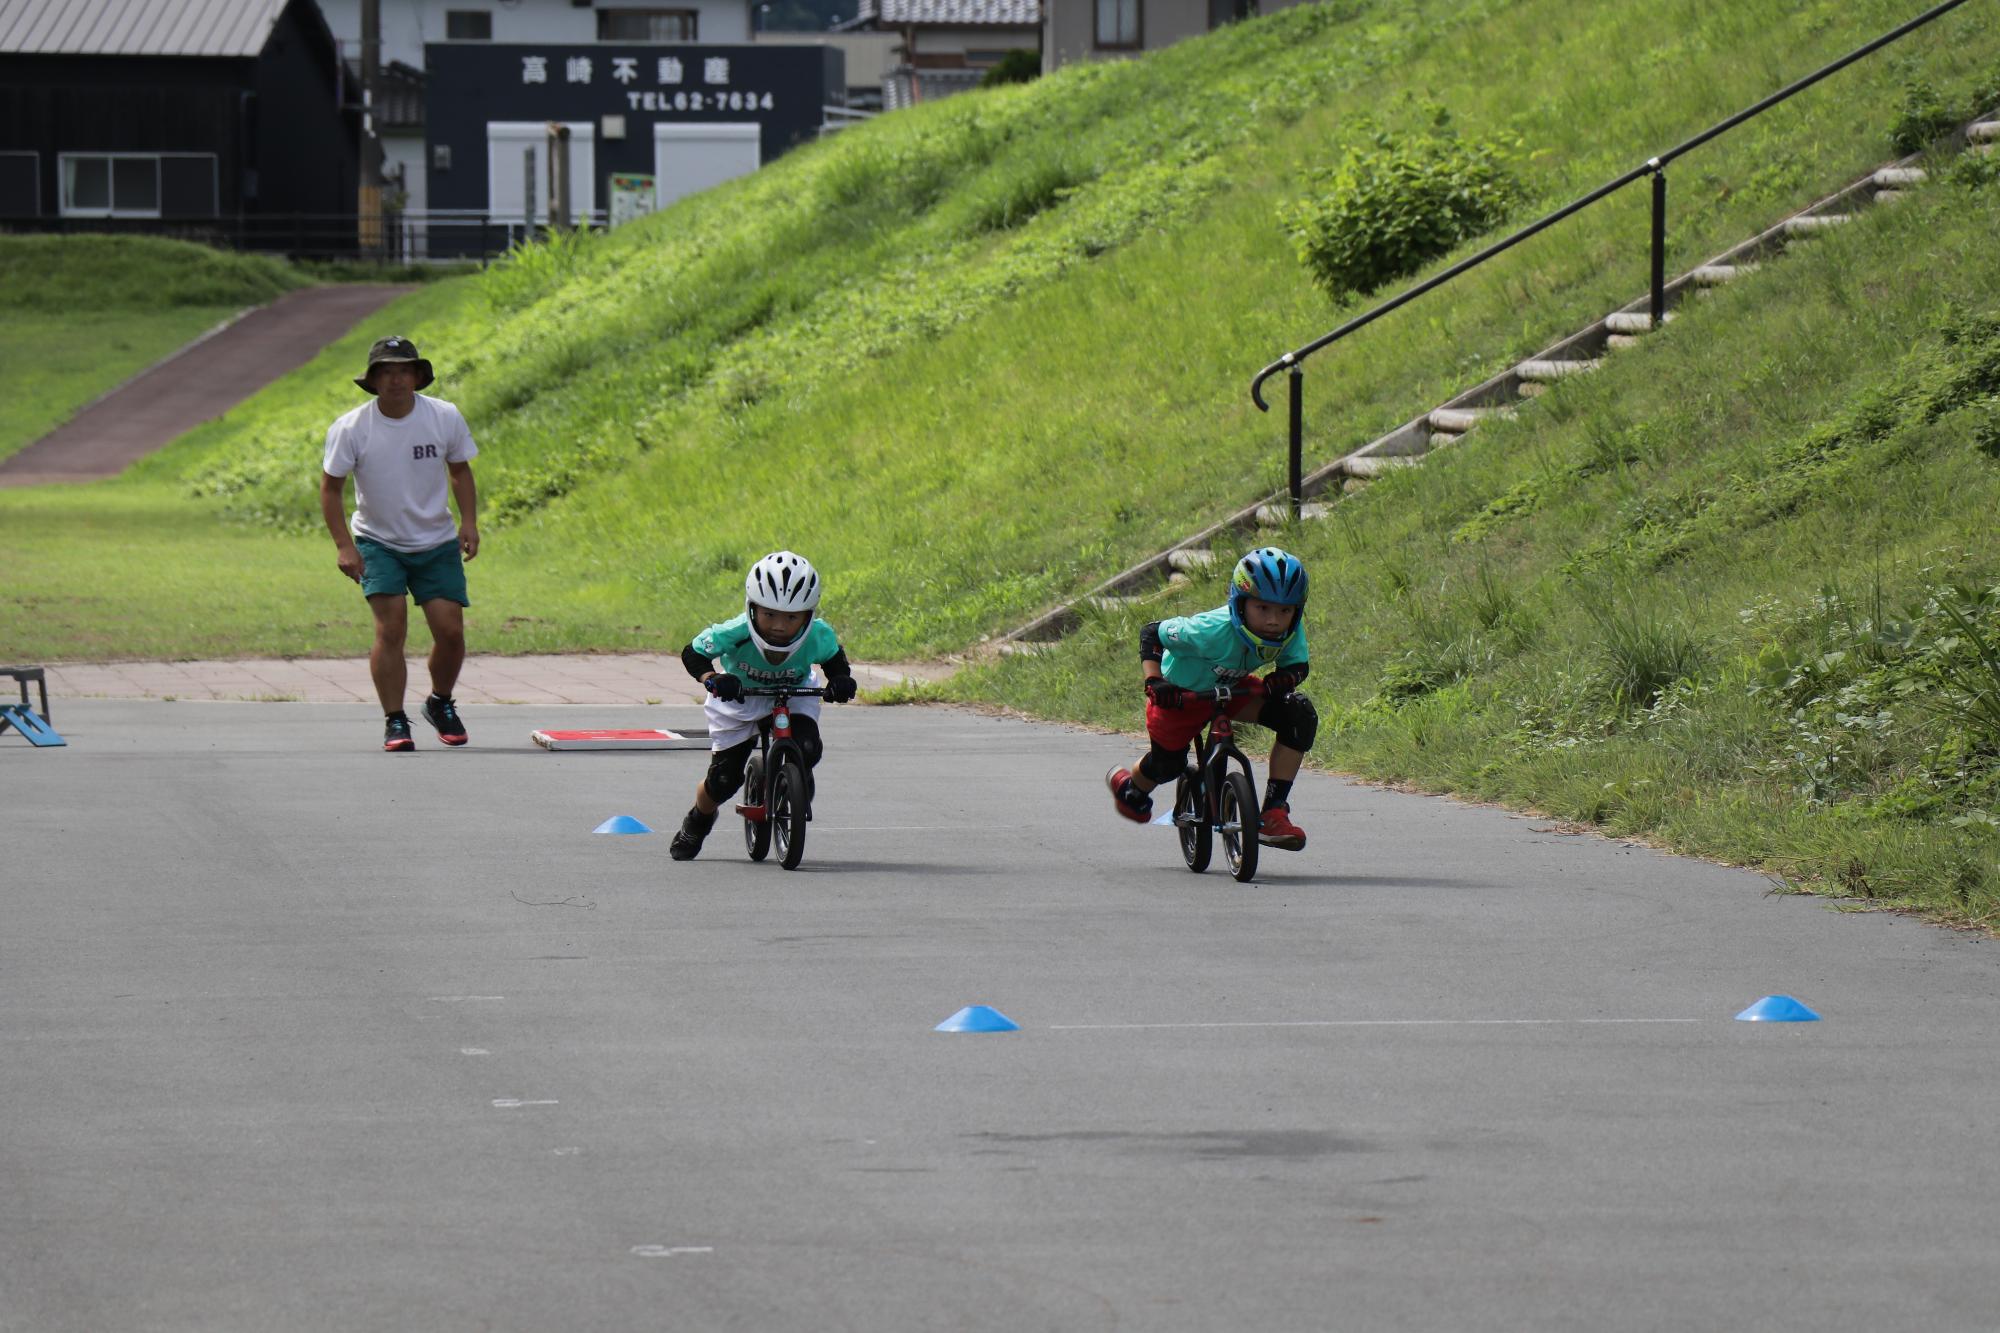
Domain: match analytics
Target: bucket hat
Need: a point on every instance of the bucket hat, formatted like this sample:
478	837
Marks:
391	350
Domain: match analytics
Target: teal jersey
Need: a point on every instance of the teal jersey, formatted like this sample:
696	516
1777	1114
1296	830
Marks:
1205	650
730	644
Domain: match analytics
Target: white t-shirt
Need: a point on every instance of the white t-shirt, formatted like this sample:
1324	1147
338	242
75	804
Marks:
401	486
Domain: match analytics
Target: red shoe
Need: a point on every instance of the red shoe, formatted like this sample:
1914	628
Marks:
1132	803
1279	831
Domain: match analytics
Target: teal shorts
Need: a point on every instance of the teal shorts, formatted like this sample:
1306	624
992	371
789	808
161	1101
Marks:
424	575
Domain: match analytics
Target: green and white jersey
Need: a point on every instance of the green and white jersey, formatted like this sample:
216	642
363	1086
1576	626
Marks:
1205	650
730	644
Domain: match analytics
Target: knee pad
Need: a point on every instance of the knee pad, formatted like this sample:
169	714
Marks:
1298	723
1163	765
725	771
806	732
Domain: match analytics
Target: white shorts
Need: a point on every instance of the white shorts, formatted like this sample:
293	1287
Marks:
731	722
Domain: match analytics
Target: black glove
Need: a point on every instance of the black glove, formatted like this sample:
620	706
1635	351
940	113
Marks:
724	686
1281	683
840	689
1164	693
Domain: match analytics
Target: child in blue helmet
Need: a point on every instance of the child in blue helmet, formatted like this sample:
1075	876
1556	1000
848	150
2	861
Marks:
1260	626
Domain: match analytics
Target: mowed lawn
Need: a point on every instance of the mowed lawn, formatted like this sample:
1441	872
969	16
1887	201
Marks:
54	363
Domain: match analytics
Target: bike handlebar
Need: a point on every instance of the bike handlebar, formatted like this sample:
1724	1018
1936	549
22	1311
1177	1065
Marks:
782	691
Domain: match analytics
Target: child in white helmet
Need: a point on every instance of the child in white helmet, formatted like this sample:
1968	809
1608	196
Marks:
778	640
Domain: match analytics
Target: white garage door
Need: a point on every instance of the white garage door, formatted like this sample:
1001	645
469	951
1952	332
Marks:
687	158
517	170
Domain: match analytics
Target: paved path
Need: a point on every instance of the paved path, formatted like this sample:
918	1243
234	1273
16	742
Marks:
629	678
298	1035
200	382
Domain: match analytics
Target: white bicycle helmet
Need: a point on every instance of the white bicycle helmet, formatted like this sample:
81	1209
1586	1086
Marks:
781	581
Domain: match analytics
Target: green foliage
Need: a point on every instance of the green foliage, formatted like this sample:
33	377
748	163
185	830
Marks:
1017	66
92	272
1396	202
1924	117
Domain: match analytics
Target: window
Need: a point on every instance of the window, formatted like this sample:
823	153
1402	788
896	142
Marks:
1118	24
646	25
111	185
1221	12
468	25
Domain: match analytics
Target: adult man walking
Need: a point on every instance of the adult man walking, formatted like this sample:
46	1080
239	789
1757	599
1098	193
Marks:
404	452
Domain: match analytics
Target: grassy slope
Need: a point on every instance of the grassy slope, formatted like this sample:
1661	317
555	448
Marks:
1762	510
865	353
61	361
79	315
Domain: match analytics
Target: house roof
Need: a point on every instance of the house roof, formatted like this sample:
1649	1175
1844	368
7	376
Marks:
137	27
953	13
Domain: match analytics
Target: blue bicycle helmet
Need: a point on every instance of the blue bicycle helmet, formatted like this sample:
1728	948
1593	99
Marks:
1270	575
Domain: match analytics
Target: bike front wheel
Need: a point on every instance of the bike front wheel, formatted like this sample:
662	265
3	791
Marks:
1191	822
1238	815
786	810
756	832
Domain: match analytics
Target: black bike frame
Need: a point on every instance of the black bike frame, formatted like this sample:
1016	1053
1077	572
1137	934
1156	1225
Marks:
1214	748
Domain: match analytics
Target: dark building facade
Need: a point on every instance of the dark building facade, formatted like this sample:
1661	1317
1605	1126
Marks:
650	123
207	118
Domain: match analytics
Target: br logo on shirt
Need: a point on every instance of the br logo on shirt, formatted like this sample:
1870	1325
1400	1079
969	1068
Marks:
426	451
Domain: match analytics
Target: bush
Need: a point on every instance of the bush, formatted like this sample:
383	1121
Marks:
1017	66
1393	205
1925	116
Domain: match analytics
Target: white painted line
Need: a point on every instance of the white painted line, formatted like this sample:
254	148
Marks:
668	1251
472	1050
565	1152
460	999
1363	1023
509	1103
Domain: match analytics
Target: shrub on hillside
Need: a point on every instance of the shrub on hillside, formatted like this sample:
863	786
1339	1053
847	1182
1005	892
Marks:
1017	66
1925	116
1394	204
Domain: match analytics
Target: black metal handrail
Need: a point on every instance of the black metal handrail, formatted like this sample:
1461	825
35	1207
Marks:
1654	166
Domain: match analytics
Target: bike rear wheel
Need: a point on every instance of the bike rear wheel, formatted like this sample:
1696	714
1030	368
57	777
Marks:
1237	811
1191	822
756	832
786	811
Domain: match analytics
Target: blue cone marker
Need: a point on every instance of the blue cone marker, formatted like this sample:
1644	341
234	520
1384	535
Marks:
1777	1009
621	824
978	1018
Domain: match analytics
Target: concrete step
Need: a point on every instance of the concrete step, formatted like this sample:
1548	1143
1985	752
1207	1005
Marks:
1986	131
1191	557
1633	321
1548	372
1458	420
1890	196
1026	647
1378	465
1618	342
1714	275
1813	225
1896	178
1277	515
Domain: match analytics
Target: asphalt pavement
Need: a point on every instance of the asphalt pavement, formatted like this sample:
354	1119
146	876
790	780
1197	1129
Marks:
299	1035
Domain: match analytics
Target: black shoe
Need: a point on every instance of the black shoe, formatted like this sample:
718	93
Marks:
442	713
396	733
694	829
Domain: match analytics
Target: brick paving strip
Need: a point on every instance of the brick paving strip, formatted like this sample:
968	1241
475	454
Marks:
625	678
196	384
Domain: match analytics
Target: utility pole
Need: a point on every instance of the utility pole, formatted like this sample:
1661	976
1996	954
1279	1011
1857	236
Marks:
369	202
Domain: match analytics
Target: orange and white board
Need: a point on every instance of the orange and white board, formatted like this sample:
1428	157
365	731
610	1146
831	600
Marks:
642	738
